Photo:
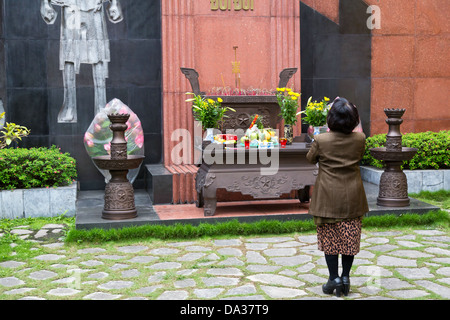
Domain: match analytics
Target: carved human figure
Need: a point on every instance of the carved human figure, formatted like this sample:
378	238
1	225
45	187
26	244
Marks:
84	39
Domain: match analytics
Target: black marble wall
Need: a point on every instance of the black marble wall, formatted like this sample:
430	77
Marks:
31	84
336	58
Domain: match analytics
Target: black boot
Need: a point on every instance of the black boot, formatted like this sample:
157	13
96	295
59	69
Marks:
332	285
345	285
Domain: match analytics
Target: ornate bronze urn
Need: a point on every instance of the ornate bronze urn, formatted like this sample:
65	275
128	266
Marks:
119	192
393	190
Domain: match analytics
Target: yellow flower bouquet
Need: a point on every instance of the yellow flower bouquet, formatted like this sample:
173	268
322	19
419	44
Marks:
288	102
208	111
316	112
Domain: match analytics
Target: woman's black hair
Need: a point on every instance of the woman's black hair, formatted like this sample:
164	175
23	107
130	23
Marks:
343	116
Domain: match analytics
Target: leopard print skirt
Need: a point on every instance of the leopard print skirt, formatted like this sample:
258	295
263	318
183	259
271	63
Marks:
343	237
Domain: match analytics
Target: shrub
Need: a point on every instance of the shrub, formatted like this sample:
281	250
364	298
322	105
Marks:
35	168
433	150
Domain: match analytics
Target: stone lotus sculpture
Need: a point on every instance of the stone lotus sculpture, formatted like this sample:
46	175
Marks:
99	135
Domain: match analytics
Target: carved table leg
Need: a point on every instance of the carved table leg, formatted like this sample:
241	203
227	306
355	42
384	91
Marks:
200	201
210	201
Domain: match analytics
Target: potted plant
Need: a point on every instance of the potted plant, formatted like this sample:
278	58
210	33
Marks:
288	102
209	113
316	116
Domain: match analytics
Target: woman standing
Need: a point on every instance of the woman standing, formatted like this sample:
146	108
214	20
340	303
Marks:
339	202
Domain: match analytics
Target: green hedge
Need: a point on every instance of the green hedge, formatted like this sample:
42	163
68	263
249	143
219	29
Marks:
35	168
433	150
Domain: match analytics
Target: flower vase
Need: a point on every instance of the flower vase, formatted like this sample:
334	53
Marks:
313	131
209	134
289	133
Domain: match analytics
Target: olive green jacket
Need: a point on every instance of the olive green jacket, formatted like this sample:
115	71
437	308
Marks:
338	191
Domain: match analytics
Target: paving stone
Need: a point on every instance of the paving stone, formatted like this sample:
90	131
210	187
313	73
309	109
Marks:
280	293
245	289
208	293
220	281
415	273
377	240
288	273
148	290
191	256
32	298
118	266
115	285
445	271
225	272
19	291
408	294
395	262
11	264
186	272
280	252
307	239
383	247
102	296
444	239
312	278
49	257
292	261
439	251
92	263
63	292
10	282
256	246
230	252
394	283
142	259
255	257
98	275
307	267
21	231
271	239
373	271
40	234
132	249
428	232
274	279
166	266
255	297
386	233
174	295
91	250
289	244
409	244
132	273
54	245
228	242
197	248
444	292
257	268
164	251
111	257
53	226
42	275
157	277
184	283
441	260
410	254
231	262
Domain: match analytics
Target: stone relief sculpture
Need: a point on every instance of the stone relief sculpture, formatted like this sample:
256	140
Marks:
84	39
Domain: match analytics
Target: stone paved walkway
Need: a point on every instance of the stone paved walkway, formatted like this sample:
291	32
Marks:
412	264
